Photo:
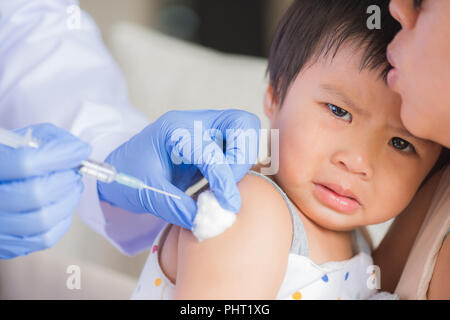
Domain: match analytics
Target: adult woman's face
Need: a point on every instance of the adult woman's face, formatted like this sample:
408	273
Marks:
420	54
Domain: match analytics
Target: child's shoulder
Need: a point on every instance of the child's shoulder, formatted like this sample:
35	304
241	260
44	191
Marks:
262	205
250	256
262	201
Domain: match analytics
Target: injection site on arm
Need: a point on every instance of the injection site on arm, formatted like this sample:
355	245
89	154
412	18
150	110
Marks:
211	219
246	260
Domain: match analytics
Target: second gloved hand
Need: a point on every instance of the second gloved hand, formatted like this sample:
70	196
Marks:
175	152
39	190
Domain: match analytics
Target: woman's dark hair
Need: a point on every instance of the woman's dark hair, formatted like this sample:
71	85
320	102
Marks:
315	28
443	160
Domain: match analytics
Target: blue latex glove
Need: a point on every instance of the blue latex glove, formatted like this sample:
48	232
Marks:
39	190
154	156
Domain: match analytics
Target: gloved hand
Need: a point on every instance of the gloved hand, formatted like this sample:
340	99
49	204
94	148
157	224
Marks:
174	152
39	190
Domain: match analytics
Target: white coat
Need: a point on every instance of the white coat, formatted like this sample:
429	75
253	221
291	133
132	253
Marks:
55	70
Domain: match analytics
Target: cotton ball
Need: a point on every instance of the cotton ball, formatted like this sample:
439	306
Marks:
211	219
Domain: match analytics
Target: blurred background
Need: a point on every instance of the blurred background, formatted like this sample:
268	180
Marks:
174	54
231	26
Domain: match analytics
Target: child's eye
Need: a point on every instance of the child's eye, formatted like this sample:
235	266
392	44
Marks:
402	145
339	112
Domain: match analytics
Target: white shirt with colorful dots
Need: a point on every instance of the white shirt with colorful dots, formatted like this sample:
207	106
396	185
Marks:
349	279
355	278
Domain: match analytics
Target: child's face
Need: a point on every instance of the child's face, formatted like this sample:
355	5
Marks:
352	149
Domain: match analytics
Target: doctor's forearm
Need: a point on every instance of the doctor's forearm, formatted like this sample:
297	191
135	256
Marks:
52	73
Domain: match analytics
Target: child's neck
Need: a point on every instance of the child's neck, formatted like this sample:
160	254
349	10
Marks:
324	245
327	245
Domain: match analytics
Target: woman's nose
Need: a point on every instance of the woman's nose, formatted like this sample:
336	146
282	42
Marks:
404	12
354	161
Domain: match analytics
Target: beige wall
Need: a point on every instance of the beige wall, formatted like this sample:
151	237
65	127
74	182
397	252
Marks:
108	12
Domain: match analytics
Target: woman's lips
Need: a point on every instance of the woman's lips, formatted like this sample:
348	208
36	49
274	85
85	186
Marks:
335	201
390	58
392	75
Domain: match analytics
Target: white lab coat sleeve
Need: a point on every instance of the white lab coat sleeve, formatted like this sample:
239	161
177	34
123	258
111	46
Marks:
55	68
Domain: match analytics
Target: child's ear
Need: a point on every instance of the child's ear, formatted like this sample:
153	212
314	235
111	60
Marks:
270	103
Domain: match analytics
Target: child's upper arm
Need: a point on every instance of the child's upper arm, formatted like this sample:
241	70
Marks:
247	261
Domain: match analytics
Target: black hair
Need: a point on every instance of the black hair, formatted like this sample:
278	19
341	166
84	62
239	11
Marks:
442	161
315	28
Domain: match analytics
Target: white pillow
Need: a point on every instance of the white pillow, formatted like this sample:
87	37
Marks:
164	73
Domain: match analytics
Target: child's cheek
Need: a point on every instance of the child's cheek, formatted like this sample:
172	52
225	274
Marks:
303	149
391	194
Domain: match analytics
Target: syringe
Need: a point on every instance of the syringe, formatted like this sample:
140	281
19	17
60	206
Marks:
100	171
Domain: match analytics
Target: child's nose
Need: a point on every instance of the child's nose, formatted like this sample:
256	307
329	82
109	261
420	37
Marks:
354	161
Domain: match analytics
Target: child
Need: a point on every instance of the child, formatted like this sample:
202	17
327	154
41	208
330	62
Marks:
346	161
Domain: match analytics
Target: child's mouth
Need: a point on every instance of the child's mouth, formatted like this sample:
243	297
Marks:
334	200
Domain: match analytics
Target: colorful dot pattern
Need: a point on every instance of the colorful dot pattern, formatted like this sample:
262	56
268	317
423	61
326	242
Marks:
330	282
297	295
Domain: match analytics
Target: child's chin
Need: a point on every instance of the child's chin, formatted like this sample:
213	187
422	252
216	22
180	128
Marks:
333	220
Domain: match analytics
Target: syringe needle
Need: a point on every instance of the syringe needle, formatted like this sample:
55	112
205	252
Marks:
163	192
139	184
99	170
